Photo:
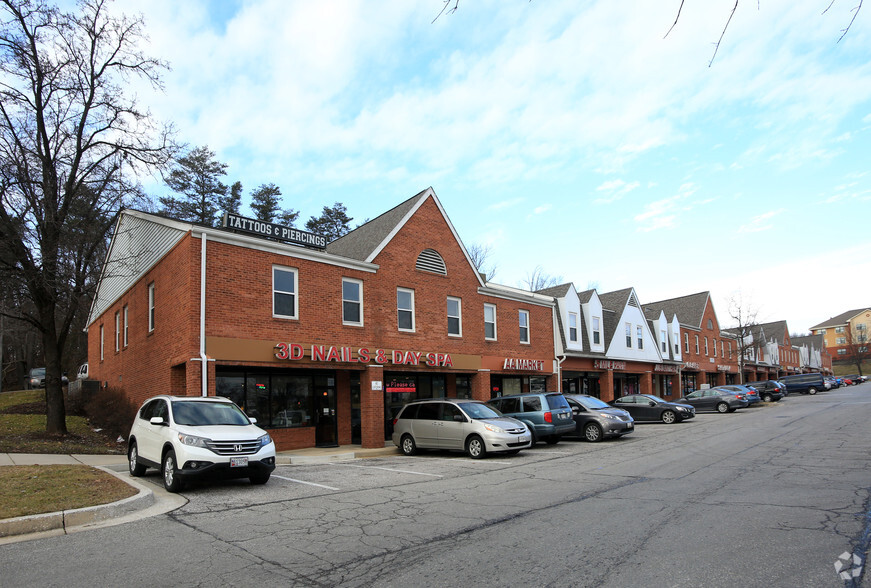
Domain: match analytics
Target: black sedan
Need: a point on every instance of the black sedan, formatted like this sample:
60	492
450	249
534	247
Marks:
647	407
717	399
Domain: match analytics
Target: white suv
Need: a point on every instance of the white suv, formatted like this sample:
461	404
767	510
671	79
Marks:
188	437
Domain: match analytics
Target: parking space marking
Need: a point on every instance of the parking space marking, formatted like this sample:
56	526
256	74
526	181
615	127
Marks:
347	465
466	461
303	482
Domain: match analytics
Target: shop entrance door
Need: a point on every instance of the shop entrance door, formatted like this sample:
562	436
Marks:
326	424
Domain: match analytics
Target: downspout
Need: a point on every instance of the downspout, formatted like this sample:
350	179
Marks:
203	358
559	372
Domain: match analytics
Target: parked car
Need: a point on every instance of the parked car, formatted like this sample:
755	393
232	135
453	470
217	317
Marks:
831	383
769	390
457	424
189	437
856	378
647	407
36	379
82	372
715	399
750	393
804	383
547	415
596	420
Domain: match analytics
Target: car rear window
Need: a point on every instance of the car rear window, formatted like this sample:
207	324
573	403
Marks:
531	404
556	401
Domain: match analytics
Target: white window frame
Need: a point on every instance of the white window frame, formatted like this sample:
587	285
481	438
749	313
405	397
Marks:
597	330
151	307
359	303
686	342
715	347
523	320
458	316
491	307
697	345
629	335
126	324
408	310
117	330
706	347
295	293
102	343
639	333
573	327
663	342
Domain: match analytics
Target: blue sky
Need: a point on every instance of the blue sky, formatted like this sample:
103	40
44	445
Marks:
574	136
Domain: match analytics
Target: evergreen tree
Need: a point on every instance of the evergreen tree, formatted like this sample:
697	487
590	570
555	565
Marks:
333	222
197	178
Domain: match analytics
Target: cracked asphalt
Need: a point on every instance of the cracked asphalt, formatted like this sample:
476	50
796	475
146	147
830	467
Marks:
767	496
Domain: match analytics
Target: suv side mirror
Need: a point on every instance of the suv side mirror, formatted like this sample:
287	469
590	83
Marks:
459	418
651	403
157	421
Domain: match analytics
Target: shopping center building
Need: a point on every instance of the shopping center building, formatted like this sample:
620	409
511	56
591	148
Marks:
321	342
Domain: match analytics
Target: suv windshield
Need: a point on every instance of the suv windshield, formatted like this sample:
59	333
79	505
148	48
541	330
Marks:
37	373
477	410
208	413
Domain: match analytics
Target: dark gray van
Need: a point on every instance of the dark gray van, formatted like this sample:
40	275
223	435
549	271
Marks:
804	383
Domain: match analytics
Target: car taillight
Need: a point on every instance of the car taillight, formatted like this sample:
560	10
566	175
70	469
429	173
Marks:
394	421
548	418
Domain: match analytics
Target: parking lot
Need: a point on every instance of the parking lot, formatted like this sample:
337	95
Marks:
773	495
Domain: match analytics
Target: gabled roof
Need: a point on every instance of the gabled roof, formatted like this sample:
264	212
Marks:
557	291
841	319
586	296
816	341
776	330
689	309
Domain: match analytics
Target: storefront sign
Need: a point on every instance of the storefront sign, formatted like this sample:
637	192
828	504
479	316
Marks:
513	363
324	353
691	365
724	368
604	364
668	369
273	231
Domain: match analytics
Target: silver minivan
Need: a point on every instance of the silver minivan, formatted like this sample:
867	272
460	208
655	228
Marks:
458	424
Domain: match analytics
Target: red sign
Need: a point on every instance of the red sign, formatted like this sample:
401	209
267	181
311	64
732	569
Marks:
332	353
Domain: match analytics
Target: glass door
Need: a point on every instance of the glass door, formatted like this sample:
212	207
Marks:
326	424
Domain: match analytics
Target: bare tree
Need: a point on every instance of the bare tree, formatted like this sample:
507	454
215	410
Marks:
480	255
744	313
858	348
538	280
72	146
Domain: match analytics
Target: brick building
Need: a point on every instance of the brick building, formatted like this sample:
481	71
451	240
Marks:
322	343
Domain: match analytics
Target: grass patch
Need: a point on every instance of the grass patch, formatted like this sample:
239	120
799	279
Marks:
38	489
22	429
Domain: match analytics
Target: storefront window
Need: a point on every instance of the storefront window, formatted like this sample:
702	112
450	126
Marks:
464	387
276	400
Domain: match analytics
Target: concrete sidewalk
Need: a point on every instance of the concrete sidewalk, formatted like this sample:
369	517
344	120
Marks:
148	501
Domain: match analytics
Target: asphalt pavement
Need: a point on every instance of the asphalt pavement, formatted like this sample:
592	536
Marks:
148	501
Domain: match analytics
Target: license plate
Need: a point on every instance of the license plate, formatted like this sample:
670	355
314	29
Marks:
563	415
629	425
238	462
523	439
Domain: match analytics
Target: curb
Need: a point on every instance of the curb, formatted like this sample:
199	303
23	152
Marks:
66	520
290	459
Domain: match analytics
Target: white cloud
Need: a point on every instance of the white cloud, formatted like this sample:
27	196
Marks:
760	222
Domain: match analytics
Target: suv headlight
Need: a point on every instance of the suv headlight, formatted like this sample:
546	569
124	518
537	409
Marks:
493	428
193	441
264	440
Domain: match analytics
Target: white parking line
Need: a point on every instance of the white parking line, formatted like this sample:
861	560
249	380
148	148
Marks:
347	465
302	482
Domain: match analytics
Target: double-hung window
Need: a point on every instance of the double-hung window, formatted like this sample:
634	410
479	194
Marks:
662	341
573	327
151	307
597	330
102	343
490	322
455	317
686	342
285	302
352	302
524	326
405	309
697	344
126	324
629	335
117	331
639	332
706	346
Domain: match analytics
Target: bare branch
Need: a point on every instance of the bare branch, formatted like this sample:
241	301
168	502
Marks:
720	40
676	18
447	3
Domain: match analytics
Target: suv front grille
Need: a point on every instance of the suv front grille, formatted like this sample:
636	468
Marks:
247	447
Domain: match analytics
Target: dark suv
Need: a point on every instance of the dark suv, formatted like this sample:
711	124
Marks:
547	415
804	383
769	390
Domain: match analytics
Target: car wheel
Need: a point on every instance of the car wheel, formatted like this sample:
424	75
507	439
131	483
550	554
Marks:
475	447
668	417
767	398
532	438
811	391
592	432
136	468
407	445
259	478
722	407
171	481
553	439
